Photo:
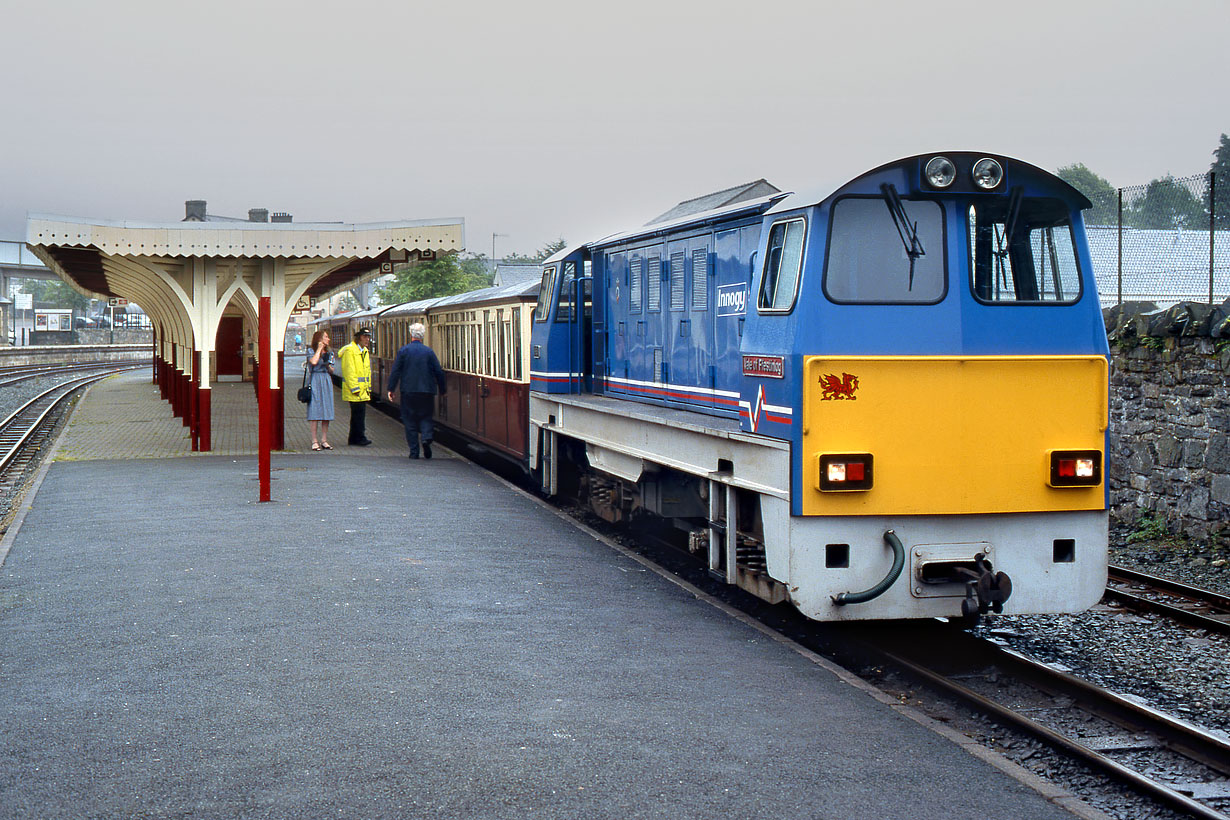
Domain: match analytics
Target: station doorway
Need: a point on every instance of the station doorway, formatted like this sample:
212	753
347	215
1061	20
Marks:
229	349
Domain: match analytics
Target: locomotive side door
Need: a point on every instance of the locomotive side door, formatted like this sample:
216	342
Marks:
734	250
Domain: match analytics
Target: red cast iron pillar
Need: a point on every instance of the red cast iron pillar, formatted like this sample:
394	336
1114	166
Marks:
203	403
264	395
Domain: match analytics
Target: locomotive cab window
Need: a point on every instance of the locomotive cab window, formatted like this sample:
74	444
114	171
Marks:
782	265
1021	250
544	294
885	250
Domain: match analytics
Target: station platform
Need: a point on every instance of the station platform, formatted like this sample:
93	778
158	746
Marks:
391	638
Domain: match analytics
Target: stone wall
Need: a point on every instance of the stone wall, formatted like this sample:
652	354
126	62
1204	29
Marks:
1170	418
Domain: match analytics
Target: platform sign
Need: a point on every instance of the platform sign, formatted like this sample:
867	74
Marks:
23	301
117	301
305	304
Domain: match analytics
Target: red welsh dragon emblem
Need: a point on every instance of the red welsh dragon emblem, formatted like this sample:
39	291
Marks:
838	389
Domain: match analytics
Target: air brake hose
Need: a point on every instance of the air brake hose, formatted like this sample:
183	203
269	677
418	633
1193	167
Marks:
876	591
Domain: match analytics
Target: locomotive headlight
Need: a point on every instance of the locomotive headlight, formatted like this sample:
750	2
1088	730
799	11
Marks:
1075	468
844	471
940	172
988	173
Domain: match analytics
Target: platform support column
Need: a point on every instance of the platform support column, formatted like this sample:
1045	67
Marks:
279	404
194	397
264	396
162	366
184	390
154	355
204	395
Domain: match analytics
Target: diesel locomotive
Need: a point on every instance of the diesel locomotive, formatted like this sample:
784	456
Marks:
885	401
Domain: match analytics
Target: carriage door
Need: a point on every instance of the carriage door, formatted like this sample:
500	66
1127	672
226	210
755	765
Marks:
486	368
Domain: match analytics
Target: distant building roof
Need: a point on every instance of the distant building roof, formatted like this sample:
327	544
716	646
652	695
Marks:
718	199
515	274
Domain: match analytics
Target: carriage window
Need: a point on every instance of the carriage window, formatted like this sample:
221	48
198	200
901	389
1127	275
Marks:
884	249
567	292
544	294
783	262
1021	250
516	343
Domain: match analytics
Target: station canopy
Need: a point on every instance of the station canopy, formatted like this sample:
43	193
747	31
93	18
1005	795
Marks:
107	258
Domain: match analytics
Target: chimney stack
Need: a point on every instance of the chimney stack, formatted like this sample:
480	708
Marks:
194	210
278	216
258	214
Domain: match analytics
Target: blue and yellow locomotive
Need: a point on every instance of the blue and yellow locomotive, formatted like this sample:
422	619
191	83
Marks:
889	401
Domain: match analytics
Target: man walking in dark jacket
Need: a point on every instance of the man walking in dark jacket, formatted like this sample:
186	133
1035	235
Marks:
418	375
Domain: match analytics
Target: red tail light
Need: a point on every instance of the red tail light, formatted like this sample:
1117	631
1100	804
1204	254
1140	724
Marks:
1075	468
844	471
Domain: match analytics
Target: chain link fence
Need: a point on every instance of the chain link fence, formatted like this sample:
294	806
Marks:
1165	242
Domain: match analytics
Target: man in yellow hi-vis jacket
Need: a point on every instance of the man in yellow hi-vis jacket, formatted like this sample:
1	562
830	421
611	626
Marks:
357	384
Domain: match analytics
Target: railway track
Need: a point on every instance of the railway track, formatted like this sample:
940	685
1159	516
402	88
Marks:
24	433
1170	761
1187	604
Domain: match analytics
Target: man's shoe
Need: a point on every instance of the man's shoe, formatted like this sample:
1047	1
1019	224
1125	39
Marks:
426	449
414	455
364	443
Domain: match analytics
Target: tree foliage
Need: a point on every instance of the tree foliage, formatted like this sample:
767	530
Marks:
53	293
545	252
441	277
1166	203
1221	196
1102	194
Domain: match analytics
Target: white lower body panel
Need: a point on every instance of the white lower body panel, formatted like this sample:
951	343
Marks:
1022	545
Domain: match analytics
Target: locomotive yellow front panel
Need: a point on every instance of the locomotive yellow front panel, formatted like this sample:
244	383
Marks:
950	434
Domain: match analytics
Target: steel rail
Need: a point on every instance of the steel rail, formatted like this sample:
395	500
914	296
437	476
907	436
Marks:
1167	733
1200	607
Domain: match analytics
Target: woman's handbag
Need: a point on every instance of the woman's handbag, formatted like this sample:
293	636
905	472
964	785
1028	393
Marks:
305	392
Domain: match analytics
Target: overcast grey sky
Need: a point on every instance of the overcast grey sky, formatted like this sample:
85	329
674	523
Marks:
541	119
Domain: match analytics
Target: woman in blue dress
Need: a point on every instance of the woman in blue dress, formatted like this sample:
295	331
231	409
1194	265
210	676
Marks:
320	408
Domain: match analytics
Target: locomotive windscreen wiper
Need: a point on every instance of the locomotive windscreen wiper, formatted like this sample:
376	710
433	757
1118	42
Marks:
907	230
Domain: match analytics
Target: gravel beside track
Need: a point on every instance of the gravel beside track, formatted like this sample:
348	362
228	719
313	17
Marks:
1178	669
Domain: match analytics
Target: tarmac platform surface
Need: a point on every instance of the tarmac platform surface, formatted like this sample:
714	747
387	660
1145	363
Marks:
399	639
